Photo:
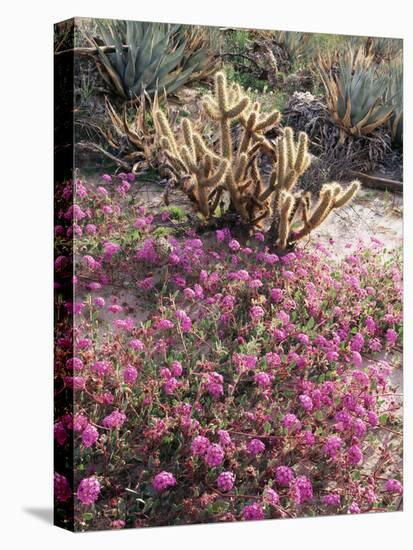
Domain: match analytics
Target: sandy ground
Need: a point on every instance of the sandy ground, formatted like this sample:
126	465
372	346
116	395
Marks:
372	214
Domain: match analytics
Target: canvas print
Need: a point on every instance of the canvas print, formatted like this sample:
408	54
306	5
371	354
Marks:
228	274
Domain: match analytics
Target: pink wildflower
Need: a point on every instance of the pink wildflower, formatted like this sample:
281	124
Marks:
214	455
394	486
89	436
130	374
114	420
271	497
255	447
200	445
284	475
253	512
162	481
88	490
302	490
225	481
62	489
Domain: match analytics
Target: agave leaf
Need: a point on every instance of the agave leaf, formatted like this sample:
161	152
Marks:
145	52
111	38
114	77
114	117
132	33
160	47
197	60
370	127
149	75
173	81
171	61
346	120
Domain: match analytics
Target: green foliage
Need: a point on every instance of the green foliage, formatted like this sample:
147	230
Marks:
245	79
150	56
237	39
176	213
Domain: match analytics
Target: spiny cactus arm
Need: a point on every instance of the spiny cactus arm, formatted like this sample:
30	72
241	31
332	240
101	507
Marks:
248	132
319	214
268	122
244	186
201	148
268	147
189	160
167	132
306	205
234	93
288	148
346	196
217	177
281	162
290	180
188	136
240	167
211	109
221	92
237	109
176	163
285	208
253	131
234	194
260	143
256	178
206	164
272	186
229	101
297	203
324	207
225	139
302	159
202	200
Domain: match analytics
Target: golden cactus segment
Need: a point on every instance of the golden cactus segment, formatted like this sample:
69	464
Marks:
347	195
166	131
268	122
188	136
289	147
302	157
286	205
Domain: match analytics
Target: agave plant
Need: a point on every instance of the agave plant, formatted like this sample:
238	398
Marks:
395	97
148	57
355	92
383	49
126	137
295	43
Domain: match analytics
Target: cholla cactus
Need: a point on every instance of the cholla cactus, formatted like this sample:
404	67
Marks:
269	205
293	160
234	171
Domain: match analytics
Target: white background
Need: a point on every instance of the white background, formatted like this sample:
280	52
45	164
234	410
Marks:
26	194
